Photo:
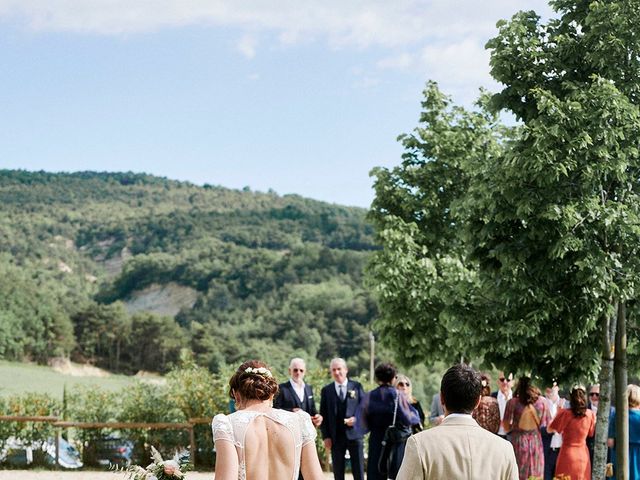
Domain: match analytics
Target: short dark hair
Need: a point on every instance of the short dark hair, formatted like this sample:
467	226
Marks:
385	372
460	388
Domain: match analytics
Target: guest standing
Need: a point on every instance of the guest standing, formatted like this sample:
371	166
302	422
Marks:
503	395
339	402
633	394
487	413
575	424
523	416
403	384
377	413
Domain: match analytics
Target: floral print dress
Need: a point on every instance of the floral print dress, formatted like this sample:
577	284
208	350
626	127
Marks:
525	436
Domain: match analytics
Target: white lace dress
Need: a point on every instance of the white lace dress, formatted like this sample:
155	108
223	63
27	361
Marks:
233	428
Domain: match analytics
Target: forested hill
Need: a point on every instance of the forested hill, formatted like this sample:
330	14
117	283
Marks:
124	270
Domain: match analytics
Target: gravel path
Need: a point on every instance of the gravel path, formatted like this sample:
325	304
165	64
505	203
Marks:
49	475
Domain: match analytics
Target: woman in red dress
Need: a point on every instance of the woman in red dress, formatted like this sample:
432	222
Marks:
575	424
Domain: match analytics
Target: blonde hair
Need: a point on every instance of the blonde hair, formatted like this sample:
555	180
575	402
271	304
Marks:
633	393
403	378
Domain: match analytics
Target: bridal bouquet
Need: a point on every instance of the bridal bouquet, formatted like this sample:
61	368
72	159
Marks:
160	469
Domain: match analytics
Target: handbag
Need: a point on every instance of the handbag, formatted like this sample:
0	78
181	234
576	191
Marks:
393	435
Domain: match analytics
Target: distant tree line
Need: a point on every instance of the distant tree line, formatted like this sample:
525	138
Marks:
274	275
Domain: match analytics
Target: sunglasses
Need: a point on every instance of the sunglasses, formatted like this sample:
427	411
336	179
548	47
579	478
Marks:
403	384
301	370
594	394
502	379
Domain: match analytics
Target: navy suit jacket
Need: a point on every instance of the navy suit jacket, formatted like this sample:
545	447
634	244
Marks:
287	399
329	410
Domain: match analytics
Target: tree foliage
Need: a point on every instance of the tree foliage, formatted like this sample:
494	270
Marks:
273	276
539	224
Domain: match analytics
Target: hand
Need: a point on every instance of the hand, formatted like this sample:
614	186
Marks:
350	422
439	419
327	444
295	409
316	420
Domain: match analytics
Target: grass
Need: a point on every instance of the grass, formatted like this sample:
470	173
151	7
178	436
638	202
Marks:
18	378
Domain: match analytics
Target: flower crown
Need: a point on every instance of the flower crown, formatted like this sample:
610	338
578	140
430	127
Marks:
259	371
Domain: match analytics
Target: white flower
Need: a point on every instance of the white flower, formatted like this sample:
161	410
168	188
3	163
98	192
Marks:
171	467
259	371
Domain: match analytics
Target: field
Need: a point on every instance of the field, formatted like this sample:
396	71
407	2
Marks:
17	378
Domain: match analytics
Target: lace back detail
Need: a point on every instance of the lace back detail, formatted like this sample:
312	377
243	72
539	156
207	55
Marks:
233	428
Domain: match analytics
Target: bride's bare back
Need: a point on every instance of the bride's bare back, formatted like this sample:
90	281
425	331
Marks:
269	444
268	450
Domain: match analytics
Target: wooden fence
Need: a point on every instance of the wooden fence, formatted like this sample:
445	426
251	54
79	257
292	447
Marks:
59	425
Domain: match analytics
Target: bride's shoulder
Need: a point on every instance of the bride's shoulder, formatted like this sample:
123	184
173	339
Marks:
220	420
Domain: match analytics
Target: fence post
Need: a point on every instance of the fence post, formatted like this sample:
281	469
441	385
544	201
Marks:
192	441
57	448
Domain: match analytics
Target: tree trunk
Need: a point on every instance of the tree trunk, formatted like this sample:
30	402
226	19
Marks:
602	420
622	404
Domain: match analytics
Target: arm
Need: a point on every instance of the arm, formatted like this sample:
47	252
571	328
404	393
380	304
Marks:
309	463
507	421
226	461
411	468
324	411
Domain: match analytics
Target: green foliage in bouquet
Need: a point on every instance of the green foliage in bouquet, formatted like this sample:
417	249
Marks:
159	469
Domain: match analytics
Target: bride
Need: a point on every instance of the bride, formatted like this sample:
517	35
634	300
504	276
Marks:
258	442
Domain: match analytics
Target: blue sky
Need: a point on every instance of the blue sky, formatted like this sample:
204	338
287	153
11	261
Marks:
299	97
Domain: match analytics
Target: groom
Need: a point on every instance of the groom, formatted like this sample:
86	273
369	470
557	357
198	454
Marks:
338	403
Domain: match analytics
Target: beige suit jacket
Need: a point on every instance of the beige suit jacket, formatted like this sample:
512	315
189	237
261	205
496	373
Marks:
458	449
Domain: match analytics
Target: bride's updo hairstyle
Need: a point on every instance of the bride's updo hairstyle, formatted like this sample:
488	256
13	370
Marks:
253	380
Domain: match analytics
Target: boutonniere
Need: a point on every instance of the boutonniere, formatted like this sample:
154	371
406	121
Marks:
352	393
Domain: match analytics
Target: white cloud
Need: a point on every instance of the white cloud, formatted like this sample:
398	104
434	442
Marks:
444	39
247	46
360	23
401	61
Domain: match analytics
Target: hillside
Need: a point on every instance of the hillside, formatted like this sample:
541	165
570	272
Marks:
125	270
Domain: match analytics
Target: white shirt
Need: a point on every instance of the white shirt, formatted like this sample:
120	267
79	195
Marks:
299	389
344	387
463	415
502	404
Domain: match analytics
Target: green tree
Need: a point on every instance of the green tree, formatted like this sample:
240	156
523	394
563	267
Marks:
540	232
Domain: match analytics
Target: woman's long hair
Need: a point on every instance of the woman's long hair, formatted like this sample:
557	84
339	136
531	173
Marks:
526	393
578	401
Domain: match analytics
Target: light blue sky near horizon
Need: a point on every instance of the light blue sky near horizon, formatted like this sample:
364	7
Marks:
298	102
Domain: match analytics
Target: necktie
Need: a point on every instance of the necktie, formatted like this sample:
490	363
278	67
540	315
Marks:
341	389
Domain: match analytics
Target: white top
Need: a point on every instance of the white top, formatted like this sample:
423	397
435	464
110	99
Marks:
502	405
233	428
299	389
344	387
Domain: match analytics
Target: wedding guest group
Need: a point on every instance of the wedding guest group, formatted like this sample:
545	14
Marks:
273	430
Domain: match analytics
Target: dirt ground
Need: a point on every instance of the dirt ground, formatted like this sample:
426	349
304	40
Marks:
48	475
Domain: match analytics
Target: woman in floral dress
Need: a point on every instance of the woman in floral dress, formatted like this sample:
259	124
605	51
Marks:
487	413
523	416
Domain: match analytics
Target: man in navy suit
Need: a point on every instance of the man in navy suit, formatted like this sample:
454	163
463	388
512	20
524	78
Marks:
295	394
338	404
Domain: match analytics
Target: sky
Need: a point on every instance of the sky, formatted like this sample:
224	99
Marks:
298	97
